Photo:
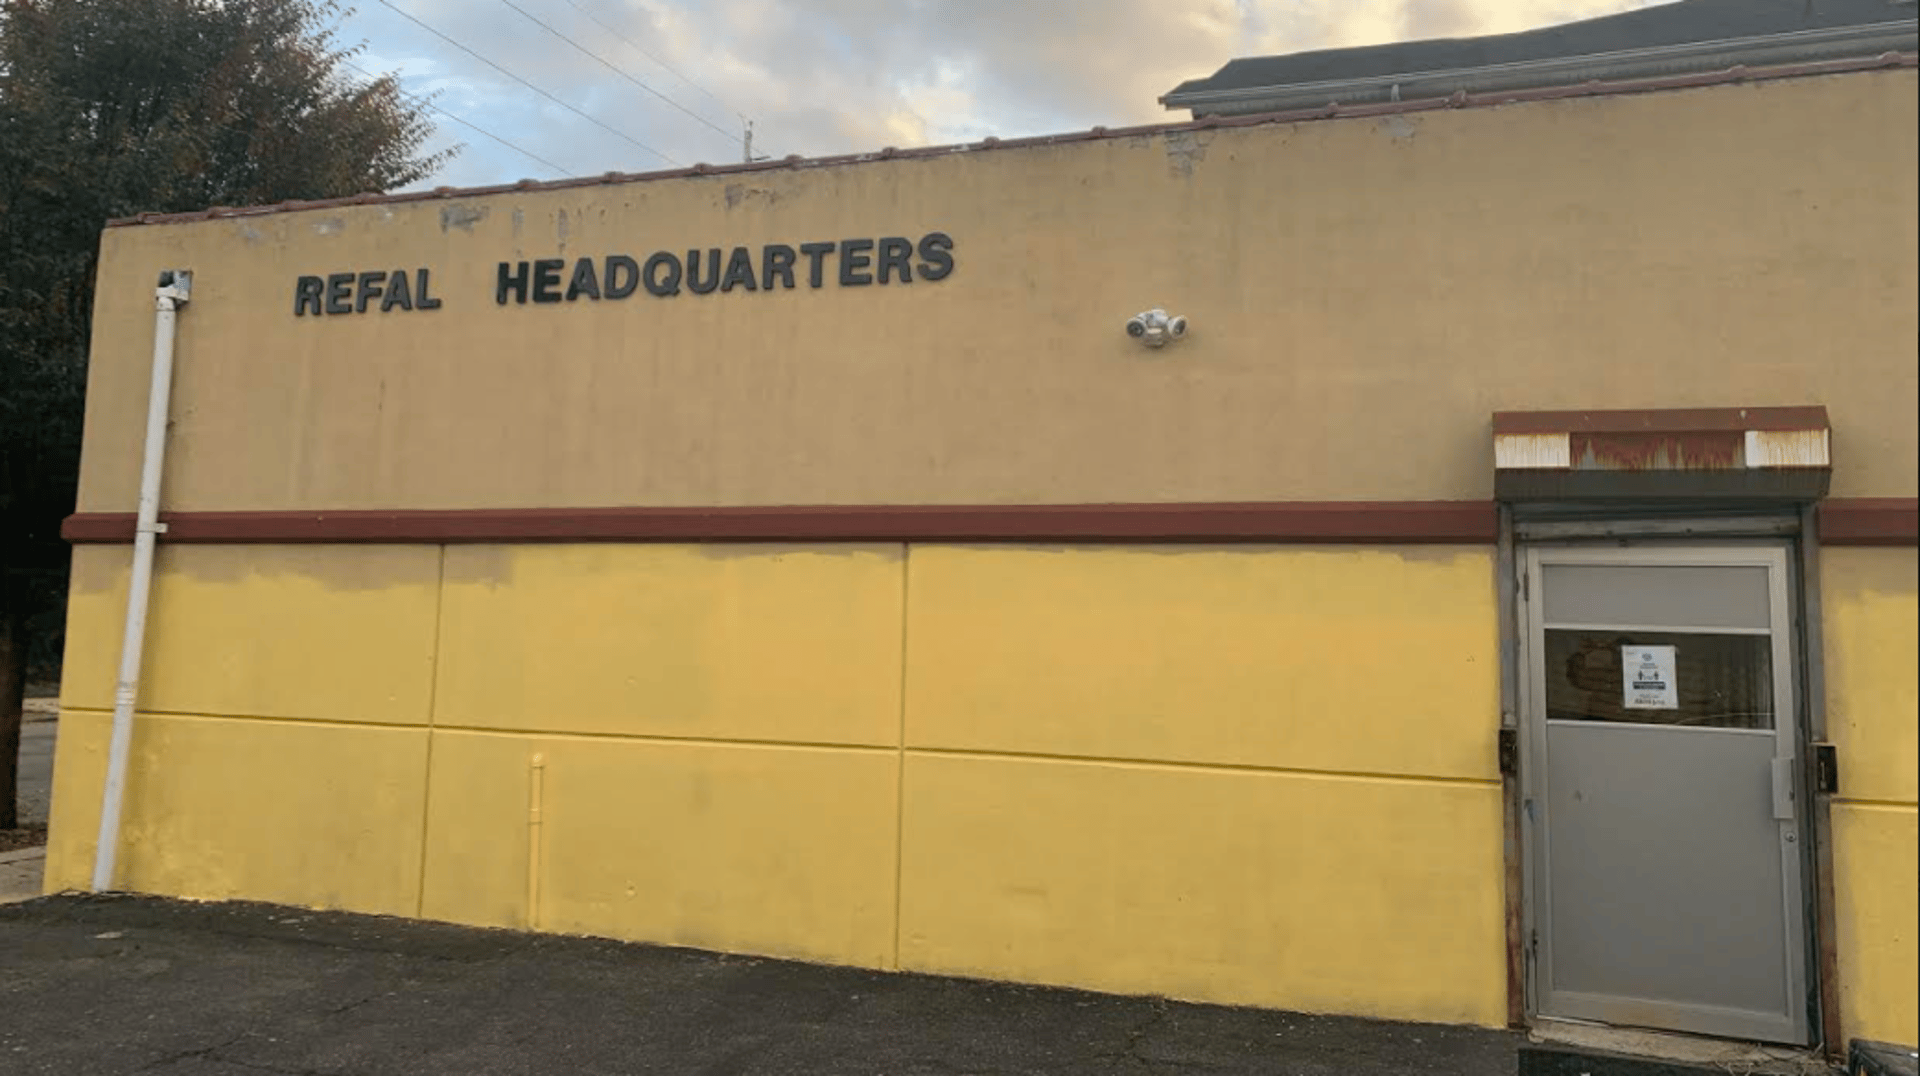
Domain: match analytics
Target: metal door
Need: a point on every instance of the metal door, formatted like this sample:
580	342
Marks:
1660	791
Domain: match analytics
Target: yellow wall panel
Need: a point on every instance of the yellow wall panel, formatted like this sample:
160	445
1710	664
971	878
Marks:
771	850
340	633
1335	895
1875	865
296	813
1873	676
478	836
79	772
96	620
1354	660
762	642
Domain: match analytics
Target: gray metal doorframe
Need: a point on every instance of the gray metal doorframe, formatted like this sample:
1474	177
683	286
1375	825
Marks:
1789	736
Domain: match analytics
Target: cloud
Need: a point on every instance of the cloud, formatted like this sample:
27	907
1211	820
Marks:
835	76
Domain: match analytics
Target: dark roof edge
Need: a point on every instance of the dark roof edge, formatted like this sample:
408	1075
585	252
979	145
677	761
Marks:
1595	88
1797	47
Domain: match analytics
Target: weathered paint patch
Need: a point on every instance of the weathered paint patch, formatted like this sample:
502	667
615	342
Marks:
1693	451
1400	128
1185	149
737	194
463	217
316	632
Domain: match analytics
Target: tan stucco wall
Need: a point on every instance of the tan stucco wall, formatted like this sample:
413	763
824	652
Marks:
1363	294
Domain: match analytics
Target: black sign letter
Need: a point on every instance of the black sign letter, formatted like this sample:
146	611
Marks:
306	291
936	258
651	275
694	283
894	255
398	293
546	279
621	276
516	283
367	288
854	262
340	293
776	259
425	302
584	282
816	253
739	271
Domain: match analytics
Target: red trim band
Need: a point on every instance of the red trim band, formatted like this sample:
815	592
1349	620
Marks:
1445	522
1891	521
1676	420
1870	521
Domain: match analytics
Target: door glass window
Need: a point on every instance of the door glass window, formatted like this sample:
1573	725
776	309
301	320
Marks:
1691	679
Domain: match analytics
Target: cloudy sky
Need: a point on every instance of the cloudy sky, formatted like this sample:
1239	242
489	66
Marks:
633	85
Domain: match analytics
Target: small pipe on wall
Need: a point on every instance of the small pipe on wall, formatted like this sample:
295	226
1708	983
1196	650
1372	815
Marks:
536	792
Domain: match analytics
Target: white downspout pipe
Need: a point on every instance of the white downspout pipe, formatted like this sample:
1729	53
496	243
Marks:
169	296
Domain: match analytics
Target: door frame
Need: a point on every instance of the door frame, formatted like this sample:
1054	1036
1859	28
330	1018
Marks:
1795	678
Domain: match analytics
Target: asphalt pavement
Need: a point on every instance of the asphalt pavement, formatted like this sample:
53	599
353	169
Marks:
117	985
36	763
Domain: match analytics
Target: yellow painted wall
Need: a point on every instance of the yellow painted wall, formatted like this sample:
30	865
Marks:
247	809
778	850
1363	294
1873	686
278	755
736	642
343	633
1252	887
1327	659
1220	774
953	759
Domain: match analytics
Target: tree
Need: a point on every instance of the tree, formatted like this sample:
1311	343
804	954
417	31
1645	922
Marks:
115	107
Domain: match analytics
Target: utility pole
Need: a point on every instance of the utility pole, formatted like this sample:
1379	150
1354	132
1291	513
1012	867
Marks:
746	142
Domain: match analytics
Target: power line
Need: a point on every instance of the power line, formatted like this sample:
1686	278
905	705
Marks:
428	102
537	21
635	46
597	123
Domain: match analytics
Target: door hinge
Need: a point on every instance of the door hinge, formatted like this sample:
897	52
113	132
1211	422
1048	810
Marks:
1525	587
1509	752
1826	769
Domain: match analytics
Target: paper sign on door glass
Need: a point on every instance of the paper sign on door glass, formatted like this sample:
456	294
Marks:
1648	671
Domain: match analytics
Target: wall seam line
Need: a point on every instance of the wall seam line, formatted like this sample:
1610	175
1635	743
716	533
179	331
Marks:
976	754
1205	767
433	703
900	766
482	730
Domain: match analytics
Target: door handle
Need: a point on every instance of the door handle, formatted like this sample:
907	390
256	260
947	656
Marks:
1783	790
